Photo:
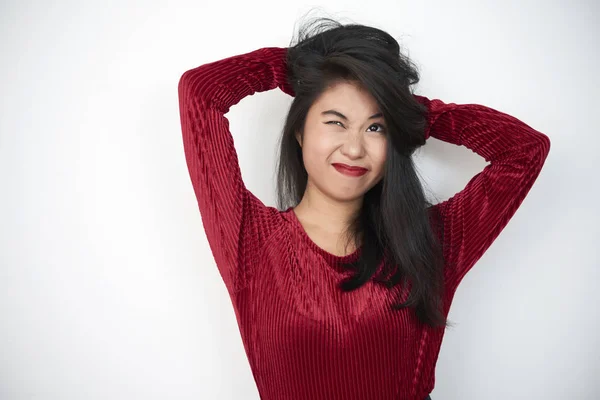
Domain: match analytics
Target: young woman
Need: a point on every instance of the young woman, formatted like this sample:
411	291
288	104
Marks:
343	291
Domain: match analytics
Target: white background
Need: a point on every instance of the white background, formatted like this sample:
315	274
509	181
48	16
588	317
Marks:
108	289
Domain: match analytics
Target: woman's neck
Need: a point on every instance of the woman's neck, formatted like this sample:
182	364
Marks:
330	215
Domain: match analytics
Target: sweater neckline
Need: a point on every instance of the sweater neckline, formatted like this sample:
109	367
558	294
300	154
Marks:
331	258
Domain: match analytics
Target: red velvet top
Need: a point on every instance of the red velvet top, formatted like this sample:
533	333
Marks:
304	338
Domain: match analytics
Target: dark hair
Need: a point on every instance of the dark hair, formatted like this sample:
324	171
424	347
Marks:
394	224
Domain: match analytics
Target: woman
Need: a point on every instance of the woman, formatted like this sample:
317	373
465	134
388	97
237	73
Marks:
343	292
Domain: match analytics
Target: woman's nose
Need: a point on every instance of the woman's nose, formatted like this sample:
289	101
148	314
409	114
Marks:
354	146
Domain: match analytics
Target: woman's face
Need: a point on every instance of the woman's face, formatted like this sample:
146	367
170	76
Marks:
343	128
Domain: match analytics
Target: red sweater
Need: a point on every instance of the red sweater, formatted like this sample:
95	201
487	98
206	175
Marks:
304	338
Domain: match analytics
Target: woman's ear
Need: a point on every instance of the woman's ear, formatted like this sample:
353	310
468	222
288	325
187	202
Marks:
299	138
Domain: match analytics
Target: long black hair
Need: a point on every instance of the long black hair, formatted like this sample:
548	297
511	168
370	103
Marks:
394	227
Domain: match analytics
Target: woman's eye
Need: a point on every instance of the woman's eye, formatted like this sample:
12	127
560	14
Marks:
380	126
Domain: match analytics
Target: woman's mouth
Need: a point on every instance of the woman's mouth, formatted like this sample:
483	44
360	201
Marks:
349	170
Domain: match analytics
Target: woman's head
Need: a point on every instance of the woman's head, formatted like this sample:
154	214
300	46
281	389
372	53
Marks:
353	105
343	127
330	60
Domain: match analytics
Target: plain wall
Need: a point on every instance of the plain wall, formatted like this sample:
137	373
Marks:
108	289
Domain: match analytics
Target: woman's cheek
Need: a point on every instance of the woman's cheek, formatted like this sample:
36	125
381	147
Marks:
378	151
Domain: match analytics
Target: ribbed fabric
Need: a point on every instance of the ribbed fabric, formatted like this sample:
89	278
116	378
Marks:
304	338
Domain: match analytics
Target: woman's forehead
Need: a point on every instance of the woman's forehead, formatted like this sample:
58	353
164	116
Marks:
348	99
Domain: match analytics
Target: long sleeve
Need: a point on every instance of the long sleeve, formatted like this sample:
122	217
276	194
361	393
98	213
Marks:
474	217
234	219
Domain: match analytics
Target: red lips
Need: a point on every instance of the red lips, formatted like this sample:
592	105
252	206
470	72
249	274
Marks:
350	170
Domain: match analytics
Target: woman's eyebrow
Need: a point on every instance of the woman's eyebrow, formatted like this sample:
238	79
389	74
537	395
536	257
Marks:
339	114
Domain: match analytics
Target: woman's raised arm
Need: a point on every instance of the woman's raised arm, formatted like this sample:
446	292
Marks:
235	221
474	217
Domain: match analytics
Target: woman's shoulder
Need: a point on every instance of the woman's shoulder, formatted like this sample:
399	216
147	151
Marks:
281	228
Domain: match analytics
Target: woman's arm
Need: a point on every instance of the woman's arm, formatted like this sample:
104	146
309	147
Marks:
474	217
235	221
